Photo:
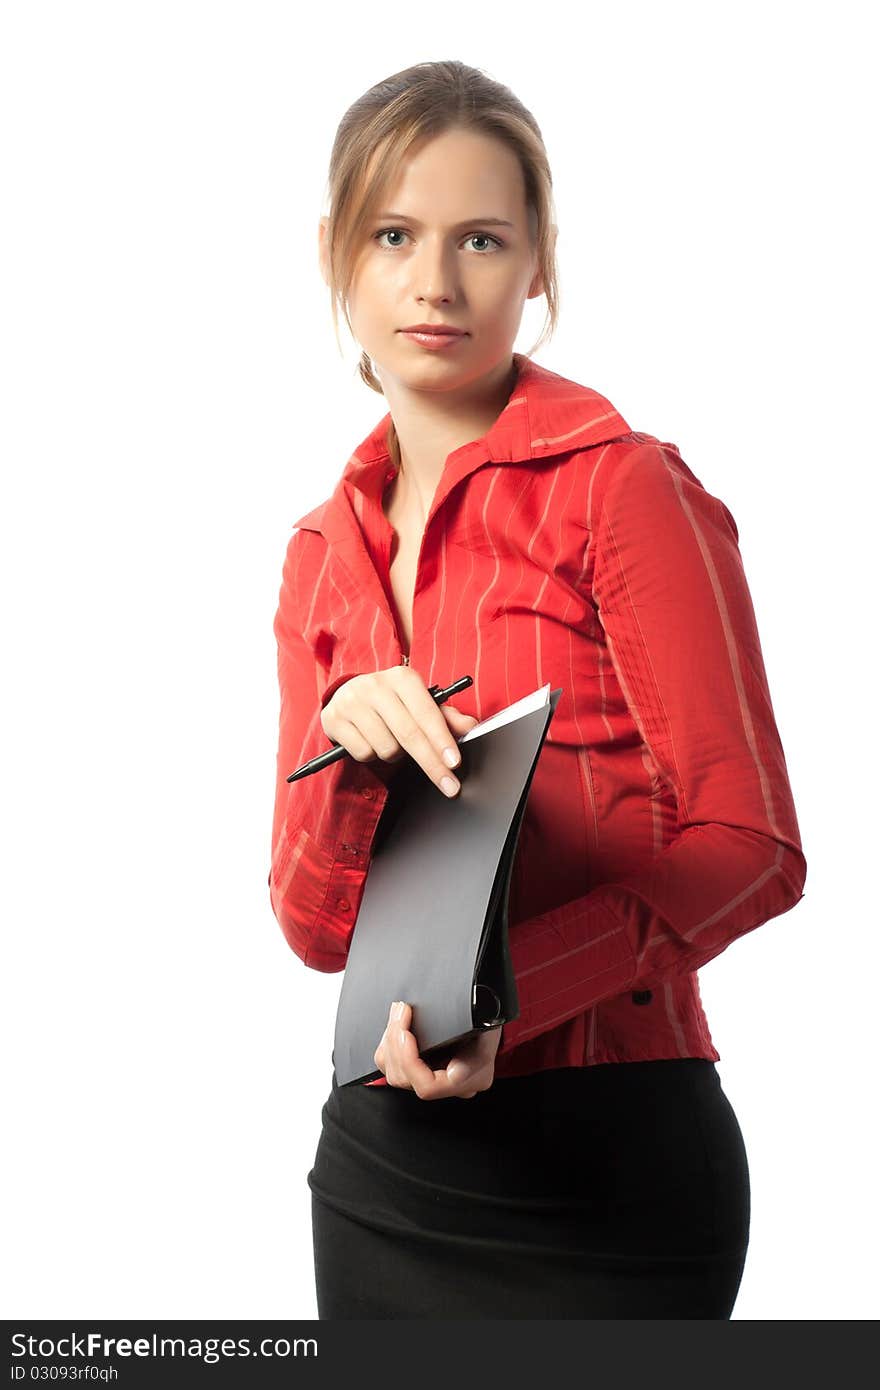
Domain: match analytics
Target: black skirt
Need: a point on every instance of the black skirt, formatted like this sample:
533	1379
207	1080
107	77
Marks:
618	1190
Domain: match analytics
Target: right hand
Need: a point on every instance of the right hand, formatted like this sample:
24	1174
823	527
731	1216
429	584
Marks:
385	714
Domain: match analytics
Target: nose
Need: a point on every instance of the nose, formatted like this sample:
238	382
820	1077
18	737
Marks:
434	271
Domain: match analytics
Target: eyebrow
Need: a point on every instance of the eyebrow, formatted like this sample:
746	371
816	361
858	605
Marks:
469	222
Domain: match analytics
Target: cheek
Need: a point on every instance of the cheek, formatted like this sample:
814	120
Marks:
368	284
502	297
381	292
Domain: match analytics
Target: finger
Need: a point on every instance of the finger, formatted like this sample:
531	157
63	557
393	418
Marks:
407	1071
385	1051
405	1065
457	719
472	1068
361	729
417	1074
390	724
430	716
372	729
420	727
458	1072
374	719
391	1047
352	739
465	1084
466	1074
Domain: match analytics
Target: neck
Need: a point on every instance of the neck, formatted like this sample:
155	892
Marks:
430	425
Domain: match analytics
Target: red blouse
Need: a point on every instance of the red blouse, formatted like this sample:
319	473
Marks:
561	547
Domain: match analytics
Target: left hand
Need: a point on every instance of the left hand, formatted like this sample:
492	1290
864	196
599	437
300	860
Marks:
470	1070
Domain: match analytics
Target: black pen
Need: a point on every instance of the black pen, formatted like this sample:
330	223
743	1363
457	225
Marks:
338	750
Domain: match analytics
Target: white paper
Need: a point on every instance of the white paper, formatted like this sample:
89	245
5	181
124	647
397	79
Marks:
526	705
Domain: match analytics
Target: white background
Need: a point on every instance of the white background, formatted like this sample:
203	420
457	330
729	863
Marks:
173	400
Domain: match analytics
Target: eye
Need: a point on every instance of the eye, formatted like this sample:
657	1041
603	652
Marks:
474	236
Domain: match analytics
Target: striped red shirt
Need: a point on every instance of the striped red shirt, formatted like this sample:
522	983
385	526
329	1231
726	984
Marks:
561	547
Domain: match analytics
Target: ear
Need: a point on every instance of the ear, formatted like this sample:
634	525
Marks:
537	285
323	257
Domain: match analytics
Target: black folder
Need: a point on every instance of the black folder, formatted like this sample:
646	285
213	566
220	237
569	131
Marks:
432	927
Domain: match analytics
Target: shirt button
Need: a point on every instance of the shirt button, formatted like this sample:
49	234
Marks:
342	904
368	792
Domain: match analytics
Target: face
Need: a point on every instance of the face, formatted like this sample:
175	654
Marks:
440	259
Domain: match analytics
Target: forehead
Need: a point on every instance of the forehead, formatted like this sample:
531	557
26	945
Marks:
450	178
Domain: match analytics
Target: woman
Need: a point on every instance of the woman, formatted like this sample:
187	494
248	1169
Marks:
506	522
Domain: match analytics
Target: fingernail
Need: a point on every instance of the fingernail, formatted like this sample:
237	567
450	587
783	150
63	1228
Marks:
397	1011
451	757
449	786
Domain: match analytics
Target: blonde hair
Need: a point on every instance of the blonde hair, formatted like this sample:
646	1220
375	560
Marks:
421	101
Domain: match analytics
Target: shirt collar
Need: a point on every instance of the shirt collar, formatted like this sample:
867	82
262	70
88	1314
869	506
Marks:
546	414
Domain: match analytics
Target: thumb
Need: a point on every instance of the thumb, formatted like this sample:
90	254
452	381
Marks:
459	721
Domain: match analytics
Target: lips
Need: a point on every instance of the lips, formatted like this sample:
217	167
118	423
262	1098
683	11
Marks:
435	329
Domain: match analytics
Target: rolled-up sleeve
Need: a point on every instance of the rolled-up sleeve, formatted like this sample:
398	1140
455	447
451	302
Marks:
671	594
